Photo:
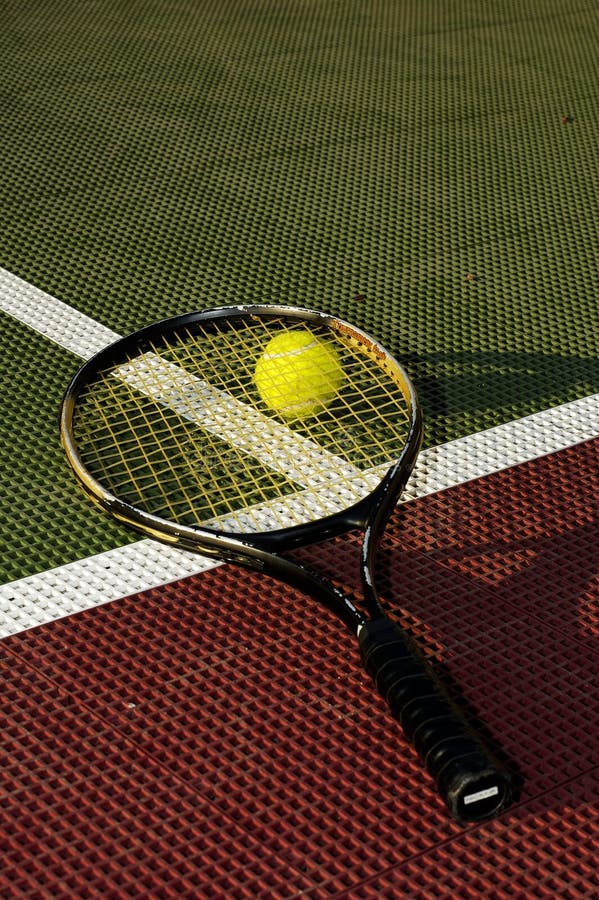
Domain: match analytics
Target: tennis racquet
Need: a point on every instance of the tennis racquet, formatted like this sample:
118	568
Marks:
169	431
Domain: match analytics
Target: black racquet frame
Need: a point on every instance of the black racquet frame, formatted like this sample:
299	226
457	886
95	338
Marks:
469	778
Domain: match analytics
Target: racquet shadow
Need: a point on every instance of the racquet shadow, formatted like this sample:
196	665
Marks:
519	656
460	391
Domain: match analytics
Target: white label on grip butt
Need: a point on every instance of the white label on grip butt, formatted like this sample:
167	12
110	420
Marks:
481	795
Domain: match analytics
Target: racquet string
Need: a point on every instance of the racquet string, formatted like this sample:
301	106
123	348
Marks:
180	431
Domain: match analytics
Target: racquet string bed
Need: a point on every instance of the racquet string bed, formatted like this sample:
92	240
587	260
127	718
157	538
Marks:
179	430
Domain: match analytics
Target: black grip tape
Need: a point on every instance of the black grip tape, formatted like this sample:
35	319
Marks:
471	781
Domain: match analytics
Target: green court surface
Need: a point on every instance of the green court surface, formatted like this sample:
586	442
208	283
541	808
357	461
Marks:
404	165
428	171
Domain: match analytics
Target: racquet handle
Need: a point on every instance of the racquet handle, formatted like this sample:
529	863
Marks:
471	782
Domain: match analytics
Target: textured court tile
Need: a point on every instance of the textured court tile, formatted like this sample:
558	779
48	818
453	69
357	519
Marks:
549	852
410	166
529	533
253	698
45	521
366	163
85	813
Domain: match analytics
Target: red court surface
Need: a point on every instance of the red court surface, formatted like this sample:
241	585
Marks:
217	738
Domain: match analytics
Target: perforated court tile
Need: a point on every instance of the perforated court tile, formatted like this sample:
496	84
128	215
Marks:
364	161
217	738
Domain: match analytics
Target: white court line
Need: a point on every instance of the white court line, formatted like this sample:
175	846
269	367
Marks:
62	324
82	584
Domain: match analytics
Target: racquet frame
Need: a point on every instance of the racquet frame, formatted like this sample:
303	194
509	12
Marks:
472	783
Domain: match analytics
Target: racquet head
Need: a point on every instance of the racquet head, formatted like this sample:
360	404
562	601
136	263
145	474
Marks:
174	429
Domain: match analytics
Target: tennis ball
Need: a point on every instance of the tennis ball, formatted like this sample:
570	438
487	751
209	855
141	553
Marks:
298	374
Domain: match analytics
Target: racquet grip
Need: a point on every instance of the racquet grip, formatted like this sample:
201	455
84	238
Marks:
472	783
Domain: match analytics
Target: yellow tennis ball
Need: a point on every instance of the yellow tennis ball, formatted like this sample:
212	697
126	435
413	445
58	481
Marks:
298	374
